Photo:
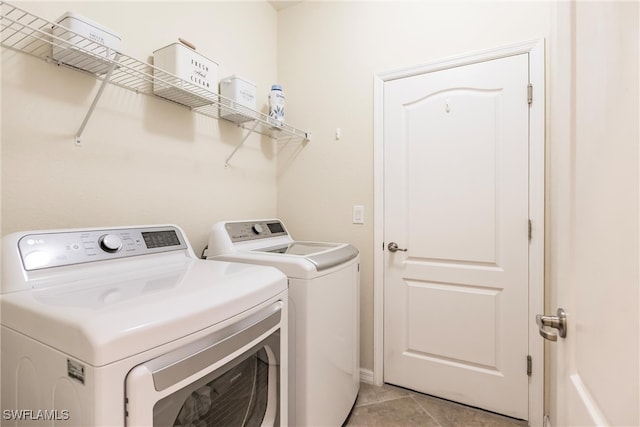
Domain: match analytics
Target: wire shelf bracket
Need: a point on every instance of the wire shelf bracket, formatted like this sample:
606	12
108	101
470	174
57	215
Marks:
78	140
226	162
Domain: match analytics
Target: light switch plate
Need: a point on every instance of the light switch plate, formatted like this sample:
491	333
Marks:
358	214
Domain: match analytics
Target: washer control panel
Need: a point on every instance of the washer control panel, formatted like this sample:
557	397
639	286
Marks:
252	230
55	249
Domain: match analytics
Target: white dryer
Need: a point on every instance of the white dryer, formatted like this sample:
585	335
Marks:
115	327
324	313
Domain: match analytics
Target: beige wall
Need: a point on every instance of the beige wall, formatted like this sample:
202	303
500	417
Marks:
328	55
144	160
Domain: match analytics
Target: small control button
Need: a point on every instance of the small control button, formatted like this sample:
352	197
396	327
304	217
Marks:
257	228
110	243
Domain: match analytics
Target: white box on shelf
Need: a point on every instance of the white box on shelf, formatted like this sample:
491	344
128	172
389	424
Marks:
83	43
242	96
192	78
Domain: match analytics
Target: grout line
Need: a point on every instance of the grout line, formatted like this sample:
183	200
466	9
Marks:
424	409
382	401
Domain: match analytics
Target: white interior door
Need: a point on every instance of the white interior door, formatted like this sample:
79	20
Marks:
595	255
456	188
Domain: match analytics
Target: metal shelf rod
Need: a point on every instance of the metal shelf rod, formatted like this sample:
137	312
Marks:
226	162
112	67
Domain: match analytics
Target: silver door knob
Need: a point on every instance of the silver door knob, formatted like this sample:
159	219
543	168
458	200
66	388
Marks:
393	247
558	322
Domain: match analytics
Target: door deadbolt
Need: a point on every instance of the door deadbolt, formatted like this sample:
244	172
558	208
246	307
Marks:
558	322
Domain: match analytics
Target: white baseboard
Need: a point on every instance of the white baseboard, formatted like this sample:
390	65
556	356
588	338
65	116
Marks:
366	376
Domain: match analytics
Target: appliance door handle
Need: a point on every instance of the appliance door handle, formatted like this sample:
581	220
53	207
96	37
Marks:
558	322
183	362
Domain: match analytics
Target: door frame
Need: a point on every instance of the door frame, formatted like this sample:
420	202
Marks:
536	51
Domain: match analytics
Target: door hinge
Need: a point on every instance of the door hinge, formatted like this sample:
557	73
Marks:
529	93
530	230
529	365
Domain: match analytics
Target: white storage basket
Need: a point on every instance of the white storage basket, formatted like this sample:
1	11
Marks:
241	94
184	76
84	44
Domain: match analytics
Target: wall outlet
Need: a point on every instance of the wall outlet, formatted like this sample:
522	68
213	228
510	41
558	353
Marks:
358	214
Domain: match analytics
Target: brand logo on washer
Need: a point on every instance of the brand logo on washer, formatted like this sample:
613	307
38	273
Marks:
33	242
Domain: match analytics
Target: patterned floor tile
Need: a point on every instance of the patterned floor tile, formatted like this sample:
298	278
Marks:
391	406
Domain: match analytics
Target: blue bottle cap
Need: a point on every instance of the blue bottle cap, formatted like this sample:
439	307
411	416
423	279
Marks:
276	87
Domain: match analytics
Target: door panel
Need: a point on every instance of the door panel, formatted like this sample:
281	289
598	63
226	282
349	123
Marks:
429	304
456	196
469	234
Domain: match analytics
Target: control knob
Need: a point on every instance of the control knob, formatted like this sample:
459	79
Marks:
257	228
110	243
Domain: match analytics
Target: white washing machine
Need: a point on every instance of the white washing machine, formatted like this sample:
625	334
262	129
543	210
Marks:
324	313
115	327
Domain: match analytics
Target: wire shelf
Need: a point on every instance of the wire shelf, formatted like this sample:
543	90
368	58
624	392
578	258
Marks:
24	32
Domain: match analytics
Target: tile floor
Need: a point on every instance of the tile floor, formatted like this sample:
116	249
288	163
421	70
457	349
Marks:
390	406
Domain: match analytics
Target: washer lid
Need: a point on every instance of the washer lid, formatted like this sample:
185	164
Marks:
322	255
105	319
